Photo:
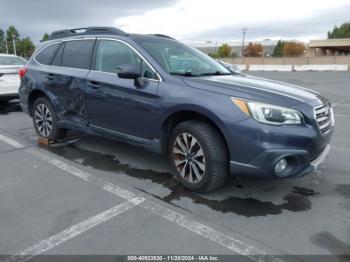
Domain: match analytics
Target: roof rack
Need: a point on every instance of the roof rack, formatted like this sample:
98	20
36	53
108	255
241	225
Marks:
165	36
86	31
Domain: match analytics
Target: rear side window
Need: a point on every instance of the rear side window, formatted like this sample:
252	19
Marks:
77	54
44	57
58	57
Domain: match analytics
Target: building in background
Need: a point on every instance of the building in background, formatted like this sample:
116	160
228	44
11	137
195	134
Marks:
211	47
329	47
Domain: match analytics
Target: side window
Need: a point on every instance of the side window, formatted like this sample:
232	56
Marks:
44	57
77	54
58	57
110	54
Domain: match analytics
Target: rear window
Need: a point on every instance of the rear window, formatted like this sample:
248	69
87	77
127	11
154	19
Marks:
11	60
77	54
44	57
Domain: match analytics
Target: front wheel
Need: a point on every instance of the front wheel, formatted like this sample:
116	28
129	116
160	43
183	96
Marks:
45	120
198	156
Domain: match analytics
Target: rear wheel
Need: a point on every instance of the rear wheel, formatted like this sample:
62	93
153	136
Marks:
45	120
198	156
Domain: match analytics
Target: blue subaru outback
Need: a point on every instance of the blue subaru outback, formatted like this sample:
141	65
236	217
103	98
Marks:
155	92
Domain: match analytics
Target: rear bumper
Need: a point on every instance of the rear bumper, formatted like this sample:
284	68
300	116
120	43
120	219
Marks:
264	165
9	96
8	89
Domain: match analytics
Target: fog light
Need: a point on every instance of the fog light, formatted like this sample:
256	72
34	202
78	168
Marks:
281	165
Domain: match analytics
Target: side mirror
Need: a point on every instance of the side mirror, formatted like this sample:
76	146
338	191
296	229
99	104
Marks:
128	71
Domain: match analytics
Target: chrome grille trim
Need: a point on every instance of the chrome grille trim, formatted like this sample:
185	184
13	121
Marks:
324	117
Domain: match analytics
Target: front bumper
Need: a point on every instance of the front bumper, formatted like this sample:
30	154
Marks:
318	160
264	165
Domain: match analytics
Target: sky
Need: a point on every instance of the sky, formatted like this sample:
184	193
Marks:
186	20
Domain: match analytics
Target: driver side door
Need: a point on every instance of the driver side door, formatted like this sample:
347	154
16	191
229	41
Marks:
116	105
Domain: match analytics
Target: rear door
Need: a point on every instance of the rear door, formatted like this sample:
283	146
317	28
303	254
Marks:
116	104
66	79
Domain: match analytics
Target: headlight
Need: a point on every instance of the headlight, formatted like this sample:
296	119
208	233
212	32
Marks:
269	114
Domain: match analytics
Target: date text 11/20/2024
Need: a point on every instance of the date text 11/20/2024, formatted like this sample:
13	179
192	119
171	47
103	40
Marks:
174	258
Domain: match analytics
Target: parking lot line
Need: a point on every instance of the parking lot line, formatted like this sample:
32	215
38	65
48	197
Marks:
106	186
233	243
73	231
11	142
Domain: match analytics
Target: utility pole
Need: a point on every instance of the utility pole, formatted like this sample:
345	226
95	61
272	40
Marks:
7	50
244	30
14	44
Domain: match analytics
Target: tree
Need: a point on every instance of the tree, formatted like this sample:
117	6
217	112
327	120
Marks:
2	41
233	54
213	55
12	34
45	37
293	49
342	31
25	47
224	50
253	49
278	51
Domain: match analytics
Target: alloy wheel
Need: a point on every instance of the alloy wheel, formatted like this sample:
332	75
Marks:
43	120
189	158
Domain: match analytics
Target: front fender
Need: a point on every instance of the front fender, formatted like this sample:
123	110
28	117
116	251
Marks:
162	130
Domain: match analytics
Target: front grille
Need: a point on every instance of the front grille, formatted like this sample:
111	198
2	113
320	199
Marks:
324	117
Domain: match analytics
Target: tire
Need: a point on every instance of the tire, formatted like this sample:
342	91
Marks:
204	166
45	120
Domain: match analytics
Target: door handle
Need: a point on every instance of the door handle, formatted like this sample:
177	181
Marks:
93	85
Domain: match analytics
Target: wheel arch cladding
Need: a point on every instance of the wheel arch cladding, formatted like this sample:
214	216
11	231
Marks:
34	95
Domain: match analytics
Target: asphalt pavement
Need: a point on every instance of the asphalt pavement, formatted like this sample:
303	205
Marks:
93	196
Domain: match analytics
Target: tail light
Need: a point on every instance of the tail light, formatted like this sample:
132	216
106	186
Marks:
22	72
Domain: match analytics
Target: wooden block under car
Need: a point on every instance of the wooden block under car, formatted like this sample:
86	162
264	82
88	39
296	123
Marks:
45	141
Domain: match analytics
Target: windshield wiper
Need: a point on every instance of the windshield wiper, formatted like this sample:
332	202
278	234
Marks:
184	74
216	73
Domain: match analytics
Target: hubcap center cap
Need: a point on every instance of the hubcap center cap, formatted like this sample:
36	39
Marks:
189	156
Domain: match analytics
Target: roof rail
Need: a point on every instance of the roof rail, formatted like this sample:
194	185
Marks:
86	31
165	36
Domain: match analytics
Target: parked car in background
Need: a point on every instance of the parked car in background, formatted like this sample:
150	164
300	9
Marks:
9	77
158	93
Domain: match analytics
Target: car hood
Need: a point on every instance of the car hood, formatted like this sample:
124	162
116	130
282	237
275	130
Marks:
255	88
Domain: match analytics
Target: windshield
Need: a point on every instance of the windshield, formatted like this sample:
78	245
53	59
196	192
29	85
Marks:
11	60
179	59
